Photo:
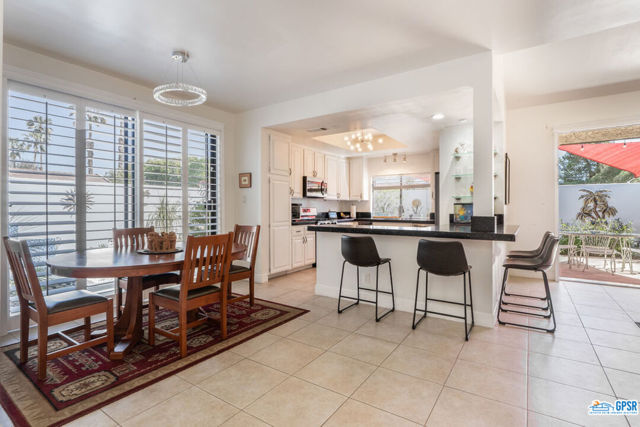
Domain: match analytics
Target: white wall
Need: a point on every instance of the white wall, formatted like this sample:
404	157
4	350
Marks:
41	70
532	148
624	197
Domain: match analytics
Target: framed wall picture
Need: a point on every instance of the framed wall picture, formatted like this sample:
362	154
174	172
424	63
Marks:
245	180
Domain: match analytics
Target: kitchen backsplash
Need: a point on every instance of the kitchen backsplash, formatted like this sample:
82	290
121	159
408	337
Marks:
332	205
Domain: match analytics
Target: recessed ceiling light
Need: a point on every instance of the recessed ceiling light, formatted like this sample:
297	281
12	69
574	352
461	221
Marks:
379	140
370	147
438	116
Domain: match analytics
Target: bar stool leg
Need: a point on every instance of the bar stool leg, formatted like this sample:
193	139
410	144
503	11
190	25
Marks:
550	304
473	322
505	276
393	297
464	291
340	310
379	318
415	304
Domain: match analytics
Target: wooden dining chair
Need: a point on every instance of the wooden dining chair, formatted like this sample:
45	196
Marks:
248	236
134	239
51	310
206	264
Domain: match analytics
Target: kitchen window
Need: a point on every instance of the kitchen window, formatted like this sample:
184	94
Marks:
401	196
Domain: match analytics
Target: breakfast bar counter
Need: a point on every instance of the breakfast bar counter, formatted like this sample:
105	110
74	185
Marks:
485	252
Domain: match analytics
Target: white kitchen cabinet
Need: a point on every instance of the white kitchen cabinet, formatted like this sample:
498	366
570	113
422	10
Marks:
308	163
319	160
343	179
313	164
279	224
359	184
297	246
280	249
309	247
331	177
297	251
297	166
279	154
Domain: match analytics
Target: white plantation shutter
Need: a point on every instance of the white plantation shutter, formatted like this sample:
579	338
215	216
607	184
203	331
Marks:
110	174
162	177
202	182
41	139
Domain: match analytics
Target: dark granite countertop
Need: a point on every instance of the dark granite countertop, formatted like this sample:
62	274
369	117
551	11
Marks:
378	220
506	233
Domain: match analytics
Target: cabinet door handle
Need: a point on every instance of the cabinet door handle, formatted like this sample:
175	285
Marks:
289	171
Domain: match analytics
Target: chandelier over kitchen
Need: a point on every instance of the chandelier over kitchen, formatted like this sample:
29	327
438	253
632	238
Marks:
360	139
179	93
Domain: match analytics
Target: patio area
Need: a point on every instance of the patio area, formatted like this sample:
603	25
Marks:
598	272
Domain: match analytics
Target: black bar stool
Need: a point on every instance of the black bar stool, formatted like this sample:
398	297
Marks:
362	252
541	263
529	254
443	259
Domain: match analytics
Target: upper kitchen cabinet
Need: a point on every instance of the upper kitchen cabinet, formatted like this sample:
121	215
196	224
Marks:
331	177
343	180
279	154
313	164
358	179
297	170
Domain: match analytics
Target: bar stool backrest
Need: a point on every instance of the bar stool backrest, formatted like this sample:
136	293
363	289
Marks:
442	258
360	251
545	238
549	252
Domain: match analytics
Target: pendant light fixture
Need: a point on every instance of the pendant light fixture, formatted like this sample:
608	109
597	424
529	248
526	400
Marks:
179	93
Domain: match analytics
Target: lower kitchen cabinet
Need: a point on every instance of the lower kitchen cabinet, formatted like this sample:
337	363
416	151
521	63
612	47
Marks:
303	246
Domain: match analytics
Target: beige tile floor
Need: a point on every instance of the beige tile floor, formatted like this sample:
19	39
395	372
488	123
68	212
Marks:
330	369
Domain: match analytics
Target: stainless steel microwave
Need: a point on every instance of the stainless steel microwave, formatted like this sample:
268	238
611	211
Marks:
312	187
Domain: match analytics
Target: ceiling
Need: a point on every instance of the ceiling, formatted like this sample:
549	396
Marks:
408	121
251	53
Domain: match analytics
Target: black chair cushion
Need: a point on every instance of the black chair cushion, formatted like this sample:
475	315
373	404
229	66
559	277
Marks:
173	292
234	268
70	300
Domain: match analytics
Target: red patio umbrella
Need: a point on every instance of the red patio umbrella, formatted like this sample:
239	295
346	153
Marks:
618	155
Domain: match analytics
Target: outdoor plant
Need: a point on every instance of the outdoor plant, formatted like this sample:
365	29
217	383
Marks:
595	206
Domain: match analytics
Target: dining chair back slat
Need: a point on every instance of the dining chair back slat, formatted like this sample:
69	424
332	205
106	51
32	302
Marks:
247	235
24	272
206	261
131	238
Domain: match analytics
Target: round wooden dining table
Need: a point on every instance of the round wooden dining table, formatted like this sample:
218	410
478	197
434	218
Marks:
109	262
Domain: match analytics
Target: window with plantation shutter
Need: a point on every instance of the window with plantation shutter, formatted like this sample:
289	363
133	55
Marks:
41	138
162	177
202	182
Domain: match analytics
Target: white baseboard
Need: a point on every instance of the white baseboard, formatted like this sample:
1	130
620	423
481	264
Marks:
262	278
405	304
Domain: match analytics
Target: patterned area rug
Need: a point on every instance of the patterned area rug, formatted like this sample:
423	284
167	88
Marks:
86	380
